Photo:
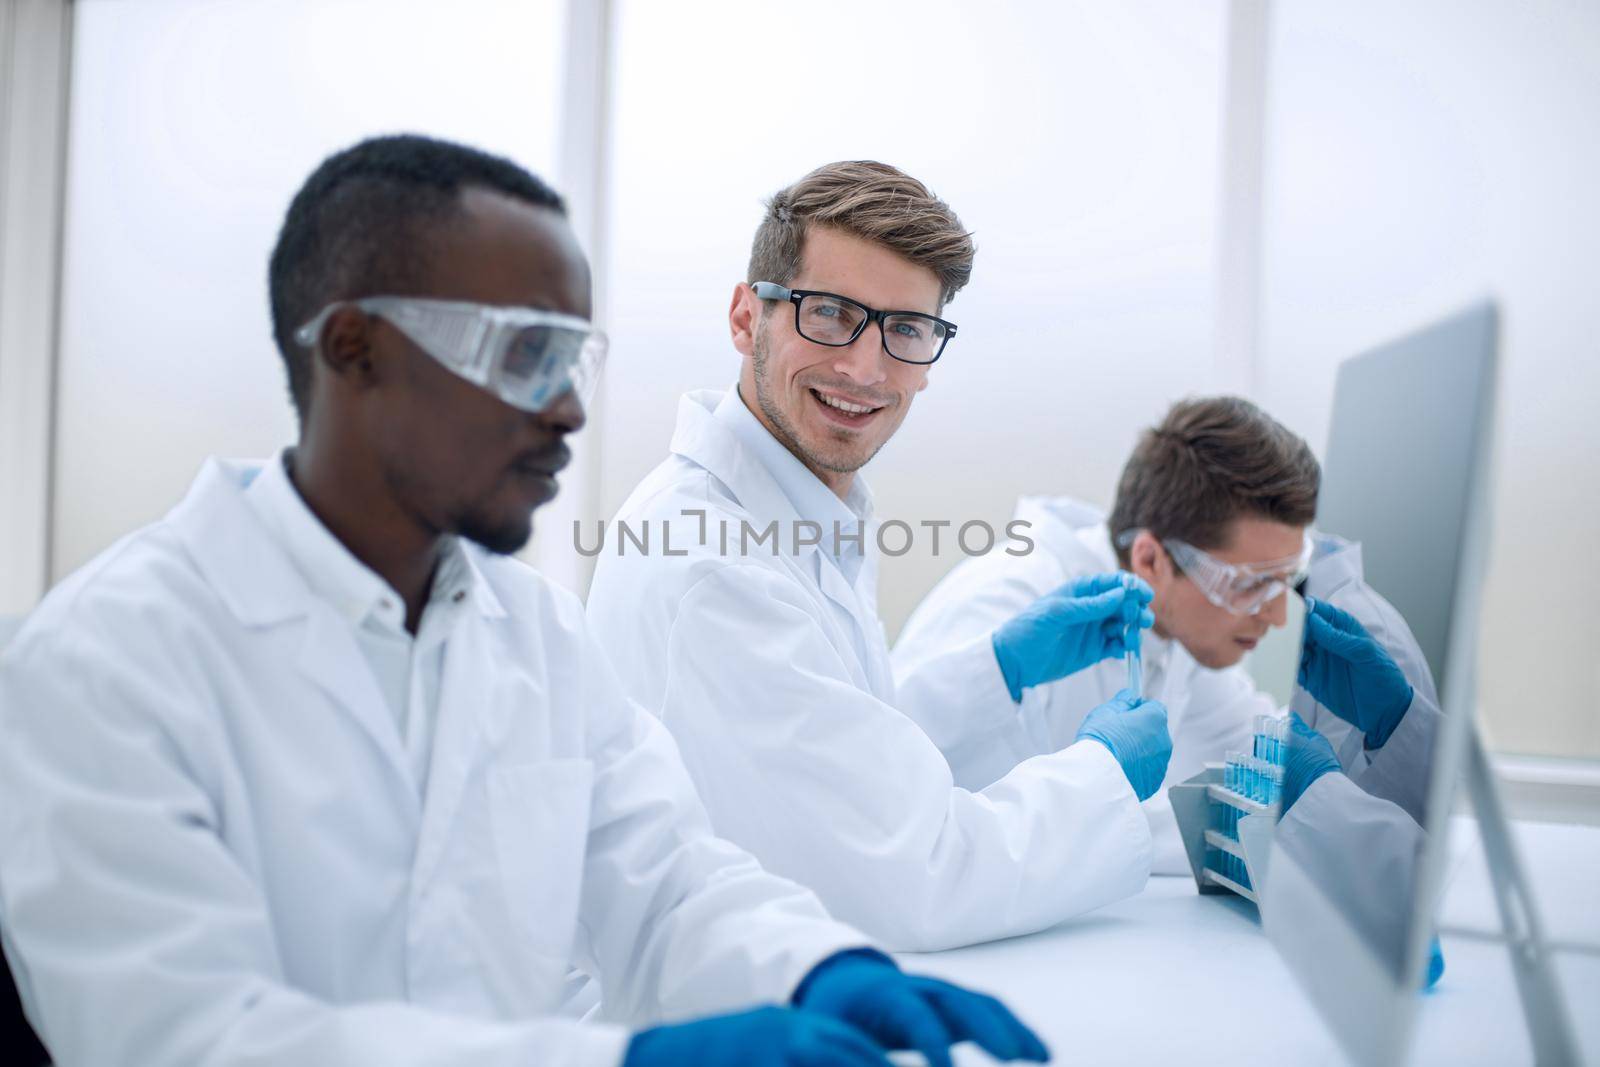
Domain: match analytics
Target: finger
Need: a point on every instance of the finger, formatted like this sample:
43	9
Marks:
826	1042
1336	642
1138	588
1093	584
920	1028
981	1018
1100	606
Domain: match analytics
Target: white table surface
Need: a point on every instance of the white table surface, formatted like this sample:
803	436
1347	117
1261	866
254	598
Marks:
1170	976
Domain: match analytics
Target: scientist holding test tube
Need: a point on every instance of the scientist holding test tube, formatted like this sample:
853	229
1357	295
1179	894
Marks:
769	665
1212	511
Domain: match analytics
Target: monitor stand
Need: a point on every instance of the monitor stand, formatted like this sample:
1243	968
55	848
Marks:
1549	1025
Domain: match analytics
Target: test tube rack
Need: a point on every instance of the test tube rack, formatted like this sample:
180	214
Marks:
1226	813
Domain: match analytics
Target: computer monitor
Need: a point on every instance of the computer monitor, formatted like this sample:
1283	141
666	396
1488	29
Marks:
1407	475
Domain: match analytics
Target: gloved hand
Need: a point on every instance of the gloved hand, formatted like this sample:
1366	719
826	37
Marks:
1136	733
1076	626
763	1037
1350	674
865	989
1309	757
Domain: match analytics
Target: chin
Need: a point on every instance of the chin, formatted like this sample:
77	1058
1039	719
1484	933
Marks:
502	538
1218	659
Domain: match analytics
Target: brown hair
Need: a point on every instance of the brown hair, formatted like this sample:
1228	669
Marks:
1210	461
870	200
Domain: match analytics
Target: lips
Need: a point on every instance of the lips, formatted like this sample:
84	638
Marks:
546	462
844	408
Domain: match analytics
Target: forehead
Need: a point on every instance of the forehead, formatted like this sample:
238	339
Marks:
501	250
838	262
1251	539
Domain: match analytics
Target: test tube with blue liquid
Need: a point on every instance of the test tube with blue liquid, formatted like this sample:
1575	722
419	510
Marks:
1130	655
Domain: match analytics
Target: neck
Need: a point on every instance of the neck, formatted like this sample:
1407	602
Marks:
838	482
352	501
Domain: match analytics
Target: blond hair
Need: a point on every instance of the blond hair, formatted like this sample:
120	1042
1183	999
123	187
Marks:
872	201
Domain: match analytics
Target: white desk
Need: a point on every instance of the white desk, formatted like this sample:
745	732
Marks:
1170	976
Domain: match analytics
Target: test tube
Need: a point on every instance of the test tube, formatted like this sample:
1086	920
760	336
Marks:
1135	673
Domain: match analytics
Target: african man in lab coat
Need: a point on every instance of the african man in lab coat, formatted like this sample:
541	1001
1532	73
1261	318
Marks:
310	772
1218	488
752	629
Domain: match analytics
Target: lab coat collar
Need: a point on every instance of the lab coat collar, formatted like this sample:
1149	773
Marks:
812	500
256	574
1335	564
717	432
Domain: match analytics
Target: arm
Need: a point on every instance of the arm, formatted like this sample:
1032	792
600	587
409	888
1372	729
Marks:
140	938
946	676
828	785
679	921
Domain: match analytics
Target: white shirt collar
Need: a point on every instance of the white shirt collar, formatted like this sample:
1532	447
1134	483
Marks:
811	499
333	573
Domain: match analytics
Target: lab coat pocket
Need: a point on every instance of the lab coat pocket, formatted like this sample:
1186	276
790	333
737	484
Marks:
540	818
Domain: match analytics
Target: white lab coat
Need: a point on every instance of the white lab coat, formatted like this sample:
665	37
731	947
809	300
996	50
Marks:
1397	772
772	673
212	850
1209	712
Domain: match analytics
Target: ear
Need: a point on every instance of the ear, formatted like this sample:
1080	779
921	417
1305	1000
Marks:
345	348
744	315
1150	561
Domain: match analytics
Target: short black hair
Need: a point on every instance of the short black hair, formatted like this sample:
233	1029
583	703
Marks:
359	225
1209	461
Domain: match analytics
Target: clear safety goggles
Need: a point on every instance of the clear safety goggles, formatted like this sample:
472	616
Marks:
1239	588
527	357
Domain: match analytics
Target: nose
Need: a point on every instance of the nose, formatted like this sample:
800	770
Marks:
566	414
862	360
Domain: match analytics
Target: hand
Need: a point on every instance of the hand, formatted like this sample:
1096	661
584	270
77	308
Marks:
764	1037
1076	626
1350	674
899	1011
1308	757
1136	733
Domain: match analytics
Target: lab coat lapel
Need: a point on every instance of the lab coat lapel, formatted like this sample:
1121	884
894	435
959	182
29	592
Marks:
252	574
469	719
879	674
330	659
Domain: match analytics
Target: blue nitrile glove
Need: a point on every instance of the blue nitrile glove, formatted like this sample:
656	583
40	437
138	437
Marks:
763	1037
1136	733
1076	626
1308	758
1435	964
864	988
1351	674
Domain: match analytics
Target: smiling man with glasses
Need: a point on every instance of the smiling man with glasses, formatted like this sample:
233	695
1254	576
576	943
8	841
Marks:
1213	510
767	660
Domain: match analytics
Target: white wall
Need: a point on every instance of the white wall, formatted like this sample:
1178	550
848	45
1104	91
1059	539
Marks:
1079	141
1421	155
192	124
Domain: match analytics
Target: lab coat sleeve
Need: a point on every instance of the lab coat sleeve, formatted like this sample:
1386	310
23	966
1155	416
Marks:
947	679
1398	772
832	787
958	696
1362	851
680	922
140	937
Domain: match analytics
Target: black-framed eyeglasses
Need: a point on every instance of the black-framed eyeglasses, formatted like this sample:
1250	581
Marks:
834	320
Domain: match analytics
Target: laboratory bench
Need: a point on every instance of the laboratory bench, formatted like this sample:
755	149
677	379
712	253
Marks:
1171	976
